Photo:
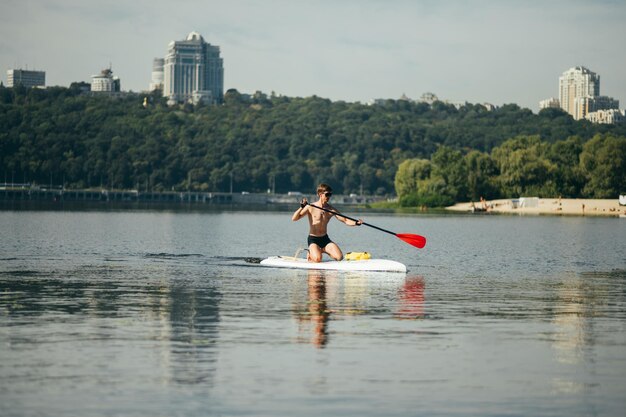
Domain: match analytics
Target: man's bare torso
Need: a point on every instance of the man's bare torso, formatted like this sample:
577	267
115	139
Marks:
318	219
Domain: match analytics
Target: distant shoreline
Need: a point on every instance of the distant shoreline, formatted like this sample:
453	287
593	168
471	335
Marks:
546	206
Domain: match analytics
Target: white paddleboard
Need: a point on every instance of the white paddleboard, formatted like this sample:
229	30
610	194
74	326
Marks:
382	265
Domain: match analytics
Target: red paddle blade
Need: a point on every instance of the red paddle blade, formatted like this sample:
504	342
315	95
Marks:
415	240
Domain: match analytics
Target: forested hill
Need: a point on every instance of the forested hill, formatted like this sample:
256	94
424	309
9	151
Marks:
60	136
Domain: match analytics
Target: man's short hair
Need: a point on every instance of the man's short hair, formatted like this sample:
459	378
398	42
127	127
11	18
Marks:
324	188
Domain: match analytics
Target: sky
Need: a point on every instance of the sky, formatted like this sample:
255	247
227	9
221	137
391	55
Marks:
476	51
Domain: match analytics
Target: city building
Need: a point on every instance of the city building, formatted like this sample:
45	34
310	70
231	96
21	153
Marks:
105	82
157	74
574	84
81	86
579	93
549	103
428	98
610	116
193	72
603	103
26	78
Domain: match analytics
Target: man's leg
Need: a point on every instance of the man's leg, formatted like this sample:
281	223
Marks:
315	253
333	250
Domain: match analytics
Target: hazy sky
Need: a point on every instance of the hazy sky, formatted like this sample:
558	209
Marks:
494	51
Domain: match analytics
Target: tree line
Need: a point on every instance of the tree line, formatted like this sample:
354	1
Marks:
63	137
521	166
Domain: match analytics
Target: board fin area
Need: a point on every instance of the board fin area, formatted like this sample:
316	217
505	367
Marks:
253	260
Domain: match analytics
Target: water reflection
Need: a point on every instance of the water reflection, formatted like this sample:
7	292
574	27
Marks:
578	305
146	314
569	321
31	293
176	320
313	316
411	298
331	295
194	318
581	302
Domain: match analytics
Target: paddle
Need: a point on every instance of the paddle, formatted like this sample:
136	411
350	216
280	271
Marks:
415	240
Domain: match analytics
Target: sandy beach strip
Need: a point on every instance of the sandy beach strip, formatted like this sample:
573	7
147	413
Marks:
547	206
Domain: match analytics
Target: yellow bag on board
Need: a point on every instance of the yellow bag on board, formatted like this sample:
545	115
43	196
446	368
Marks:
357	256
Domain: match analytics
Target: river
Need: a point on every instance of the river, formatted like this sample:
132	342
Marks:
158	313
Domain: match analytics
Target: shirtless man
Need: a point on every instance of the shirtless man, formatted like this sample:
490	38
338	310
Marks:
318	241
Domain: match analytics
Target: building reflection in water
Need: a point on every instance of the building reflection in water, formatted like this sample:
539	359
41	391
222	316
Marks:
178	320
569	321
187	331
194	315
578	305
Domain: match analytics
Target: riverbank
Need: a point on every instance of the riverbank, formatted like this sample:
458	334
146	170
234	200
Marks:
546	206
20	194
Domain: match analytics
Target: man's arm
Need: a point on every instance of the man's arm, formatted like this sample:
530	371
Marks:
344	220
301	211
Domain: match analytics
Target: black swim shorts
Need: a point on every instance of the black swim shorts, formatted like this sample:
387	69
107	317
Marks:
320	241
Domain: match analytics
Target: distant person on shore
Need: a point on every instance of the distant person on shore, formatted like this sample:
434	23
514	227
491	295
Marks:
318	240
483	204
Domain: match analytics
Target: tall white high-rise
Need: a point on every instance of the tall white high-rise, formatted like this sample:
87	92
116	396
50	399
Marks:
193	71
577	88
157	74
579	95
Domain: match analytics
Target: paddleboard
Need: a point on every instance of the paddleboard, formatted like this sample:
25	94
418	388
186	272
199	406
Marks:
381	265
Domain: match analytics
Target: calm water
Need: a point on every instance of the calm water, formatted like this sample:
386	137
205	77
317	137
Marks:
158	314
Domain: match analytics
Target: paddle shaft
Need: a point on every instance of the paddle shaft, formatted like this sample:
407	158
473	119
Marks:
354	220
414	240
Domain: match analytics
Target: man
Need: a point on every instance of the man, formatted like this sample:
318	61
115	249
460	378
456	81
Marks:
318	241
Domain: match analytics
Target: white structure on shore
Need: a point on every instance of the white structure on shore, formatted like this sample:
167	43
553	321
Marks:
193	72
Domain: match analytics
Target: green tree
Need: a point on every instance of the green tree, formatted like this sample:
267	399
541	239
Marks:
449	165
409	174
524	168
568	177
59	134
603	162
417	184
481	172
